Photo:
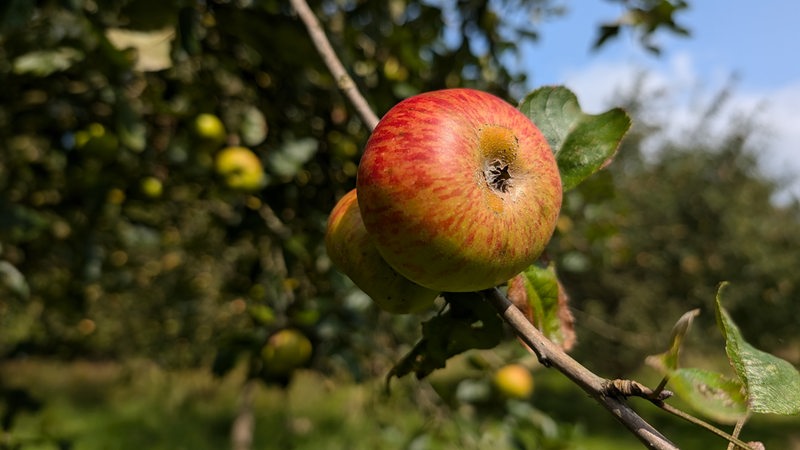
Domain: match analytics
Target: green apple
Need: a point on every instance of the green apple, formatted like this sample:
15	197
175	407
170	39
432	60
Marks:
241	169
285	351
459	190
353	251
209	127
151	187
513	381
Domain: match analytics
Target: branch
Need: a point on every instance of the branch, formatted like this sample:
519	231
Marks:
551	355
343	80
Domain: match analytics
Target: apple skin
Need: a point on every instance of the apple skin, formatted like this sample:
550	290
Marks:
459	190
513	381
353	251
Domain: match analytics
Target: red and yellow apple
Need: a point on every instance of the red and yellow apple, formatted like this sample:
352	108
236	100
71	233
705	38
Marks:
353	251
459	190
513	381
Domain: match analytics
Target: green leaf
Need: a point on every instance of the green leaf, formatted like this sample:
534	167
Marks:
667	362
42	63
772	384
710	393
468	323
582	143
540	296
289	159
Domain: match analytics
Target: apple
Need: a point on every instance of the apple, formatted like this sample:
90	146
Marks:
352	250
513	381
241	169
151	187
98	142
285	351
209	127
459	190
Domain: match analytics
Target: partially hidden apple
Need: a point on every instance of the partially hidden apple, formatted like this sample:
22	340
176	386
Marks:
353	251
285	351
459	190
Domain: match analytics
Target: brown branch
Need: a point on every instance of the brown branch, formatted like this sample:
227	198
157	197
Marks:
343	80
597	387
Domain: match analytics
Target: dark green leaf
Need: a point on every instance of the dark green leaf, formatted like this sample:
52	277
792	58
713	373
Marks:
772	384
468	323
582	143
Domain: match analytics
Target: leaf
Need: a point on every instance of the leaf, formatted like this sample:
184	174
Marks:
152	47
667	362
541	297
468	323
45	62
289	159
253	128
710	393
582	143
772	384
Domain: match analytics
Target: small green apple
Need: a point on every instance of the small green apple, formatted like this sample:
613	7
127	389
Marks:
209	127
241	169
285	351
352	250
513	381
151	187
459	190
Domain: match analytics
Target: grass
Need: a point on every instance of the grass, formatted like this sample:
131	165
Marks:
92	406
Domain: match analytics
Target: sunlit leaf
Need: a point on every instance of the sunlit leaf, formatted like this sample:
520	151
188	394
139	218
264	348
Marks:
710	393
45	62
152	47
540	296
668	361
582	143
772	384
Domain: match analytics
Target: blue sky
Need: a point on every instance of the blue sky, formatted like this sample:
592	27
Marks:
759	42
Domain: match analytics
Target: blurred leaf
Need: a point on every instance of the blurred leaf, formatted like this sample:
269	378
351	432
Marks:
12	278
20	224
14	13
468	323
152	47
45	62
646	21
668	361
582	143
253	128
131	130
541	297
710	393
289	159
772	384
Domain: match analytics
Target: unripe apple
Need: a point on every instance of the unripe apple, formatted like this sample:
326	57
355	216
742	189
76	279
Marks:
513	381
459	190
241	168
352	251
151	187
285	351
210	127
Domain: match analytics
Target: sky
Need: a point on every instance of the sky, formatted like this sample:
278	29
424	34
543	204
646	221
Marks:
757	44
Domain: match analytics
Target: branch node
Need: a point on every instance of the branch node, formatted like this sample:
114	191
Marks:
629	388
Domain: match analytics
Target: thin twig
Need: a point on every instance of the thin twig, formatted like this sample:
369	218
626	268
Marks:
703	424
343	80
551	355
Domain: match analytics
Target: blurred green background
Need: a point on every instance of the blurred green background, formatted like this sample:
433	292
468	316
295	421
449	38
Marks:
138	284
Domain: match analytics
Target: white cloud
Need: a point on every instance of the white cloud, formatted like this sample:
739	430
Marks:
686	95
